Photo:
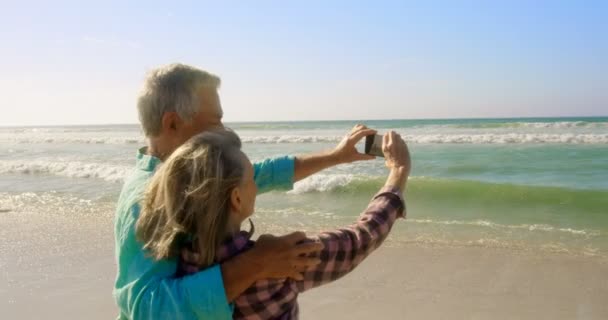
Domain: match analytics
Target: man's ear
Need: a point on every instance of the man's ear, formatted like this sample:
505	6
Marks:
170	121
235	199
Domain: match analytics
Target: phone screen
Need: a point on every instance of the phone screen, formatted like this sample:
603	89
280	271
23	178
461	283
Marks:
373	145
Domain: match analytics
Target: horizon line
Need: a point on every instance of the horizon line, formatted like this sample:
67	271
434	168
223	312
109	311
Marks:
325	120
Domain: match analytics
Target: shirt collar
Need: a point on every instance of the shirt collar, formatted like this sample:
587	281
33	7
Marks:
237	243
145	161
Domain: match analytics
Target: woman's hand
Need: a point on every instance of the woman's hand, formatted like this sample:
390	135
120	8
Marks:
397	158
396	152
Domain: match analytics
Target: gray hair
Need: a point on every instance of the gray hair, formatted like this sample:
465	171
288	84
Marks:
171	88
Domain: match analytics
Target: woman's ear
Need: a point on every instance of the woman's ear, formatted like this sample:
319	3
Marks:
235	199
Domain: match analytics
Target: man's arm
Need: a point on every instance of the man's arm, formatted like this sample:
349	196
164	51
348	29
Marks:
309	164
148	289
281	173
274	174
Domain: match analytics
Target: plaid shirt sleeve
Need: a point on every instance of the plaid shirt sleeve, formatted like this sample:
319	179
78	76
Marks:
345	248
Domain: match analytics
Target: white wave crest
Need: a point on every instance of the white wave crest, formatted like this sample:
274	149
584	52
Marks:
509	138
72	169
422	138
290	139
321	183
505	138
25	139
562	125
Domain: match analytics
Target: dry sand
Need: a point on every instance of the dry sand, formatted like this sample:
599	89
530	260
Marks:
55	267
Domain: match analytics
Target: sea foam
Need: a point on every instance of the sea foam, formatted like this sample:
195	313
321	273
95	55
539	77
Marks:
72	169
321	183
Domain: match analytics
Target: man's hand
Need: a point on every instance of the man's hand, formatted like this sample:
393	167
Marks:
271	257
346	152
286	256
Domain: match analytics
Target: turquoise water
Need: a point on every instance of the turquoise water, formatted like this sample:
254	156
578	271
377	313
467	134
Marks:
530	184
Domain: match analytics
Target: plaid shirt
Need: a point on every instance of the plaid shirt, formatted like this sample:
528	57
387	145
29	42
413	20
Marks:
343	250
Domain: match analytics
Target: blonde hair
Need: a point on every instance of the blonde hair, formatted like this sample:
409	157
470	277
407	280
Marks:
189	197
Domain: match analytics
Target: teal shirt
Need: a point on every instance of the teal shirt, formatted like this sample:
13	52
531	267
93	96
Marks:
147	289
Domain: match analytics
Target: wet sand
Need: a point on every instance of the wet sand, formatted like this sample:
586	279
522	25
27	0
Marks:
58	267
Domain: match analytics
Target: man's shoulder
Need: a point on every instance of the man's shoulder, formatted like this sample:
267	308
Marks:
134	186
131	194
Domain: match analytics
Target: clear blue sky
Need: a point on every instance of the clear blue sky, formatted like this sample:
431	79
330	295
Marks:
79	63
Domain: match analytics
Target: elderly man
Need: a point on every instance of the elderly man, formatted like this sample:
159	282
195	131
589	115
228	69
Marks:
176	103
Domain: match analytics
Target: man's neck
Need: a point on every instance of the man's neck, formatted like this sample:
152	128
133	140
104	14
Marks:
159	148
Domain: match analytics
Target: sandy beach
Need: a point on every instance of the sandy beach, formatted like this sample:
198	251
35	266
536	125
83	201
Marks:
55	266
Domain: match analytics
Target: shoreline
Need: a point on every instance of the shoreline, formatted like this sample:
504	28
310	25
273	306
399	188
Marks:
57	267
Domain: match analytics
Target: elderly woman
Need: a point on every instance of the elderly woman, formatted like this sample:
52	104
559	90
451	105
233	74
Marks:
197	201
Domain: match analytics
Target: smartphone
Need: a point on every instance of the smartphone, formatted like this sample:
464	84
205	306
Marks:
373	145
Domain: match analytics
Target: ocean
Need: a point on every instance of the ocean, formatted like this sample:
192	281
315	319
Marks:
525	183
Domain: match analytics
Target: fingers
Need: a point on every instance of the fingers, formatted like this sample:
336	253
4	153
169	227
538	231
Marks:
308	248
294	237
362	156
358	127
296	276
392	139
392	147
358	135
400	143
385	142
303	263
356	130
